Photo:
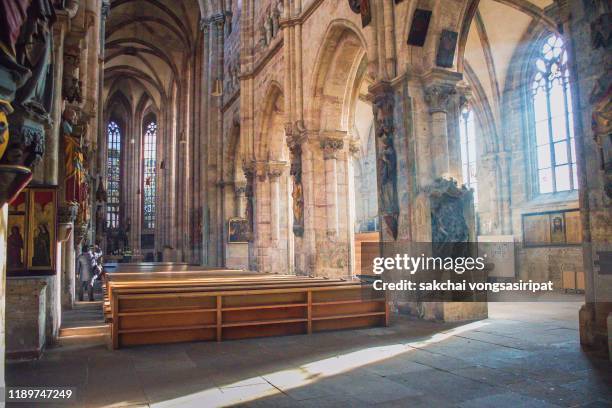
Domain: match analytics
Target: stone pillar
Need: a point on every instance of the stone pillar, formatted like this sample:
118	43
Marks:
3	250
439	87
26	305
275	170
261	218
240	188
330	145
586	27
66	218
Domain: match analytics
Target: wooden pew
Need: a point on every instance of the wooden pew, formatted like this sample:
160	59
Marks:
229	308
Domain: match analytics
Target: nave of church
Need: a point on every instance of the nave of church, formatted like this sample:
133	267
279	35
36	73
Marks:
235	168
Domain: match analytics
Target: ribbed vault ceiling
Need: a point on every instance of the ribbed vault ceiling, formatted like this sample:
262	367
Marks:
497	30
148	46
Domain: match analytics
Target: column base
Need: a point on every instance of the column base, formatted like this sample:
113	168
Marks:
596	326
26	318
446	311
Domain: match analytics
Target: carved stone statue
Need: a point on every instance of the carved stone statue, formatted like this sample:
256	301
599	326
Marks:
76	183
298	191
601	124
236	77
12	15
34	51
262	38
268	28
72	91
387	160
275	21
280	7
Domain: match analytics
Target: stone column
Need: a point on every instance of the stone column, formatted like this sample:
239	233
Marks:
275	170
261	219
330	145
240	188
3	250
66	218
586	27
439	87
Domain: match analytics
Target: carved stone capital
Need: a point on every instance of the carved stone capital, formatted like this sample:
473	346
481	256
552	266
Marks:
276	169
354	147
240	188
438	97
68	213
330	147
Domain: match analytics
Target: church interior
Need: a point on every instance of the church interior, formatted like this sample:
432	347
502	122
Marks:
233	167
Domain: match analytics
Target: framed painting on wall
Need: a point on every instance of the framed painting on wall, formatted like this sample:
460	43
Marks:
42	230
238	230
552	228
17	230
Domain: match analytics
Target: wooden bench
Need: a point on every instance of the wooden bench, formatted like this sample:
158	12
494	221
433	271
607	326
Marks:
229	308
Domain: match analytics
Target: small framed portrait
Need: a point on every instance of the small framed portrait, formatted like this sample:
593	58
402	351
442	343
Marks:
42	224
17	232
238	230
557	228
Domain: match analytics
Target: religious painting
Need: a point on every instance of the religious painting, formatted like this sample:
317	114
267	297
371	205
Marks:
446	49
573	227
536	229
552	228
17	228
238	230
419	27
557	228
41	242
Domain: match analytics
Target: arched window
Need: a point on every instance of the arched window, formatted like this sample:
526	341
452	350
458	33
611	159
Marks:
467	136
113	174
149	157
554	128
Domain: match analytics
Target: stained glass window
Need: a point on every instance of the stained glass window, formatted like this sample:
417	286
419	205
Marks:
554	128
149	181
467	136
113	176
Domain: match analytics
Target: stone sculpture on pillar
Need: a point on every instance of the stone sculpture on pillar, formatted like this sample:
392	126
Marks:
386	158
297	193
249	173
76	183
25	82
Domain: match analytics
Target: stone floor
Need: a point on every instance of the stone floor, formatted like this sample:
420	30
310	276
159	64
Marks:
524	355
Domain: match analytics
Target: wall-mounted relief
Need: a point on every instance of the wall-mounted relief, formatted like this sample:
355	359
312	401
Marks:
297	193
451	227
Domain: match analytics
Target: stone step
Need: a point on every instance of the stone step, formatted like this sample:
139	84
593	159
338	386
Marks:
92	330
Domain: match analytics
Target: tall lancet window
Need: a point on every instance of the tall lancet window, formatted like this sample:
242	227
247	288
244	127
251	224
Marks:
149	181
554	127
113	175
467	136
